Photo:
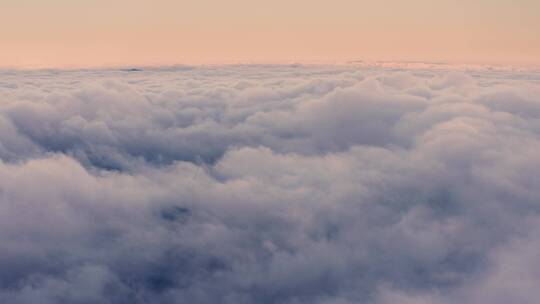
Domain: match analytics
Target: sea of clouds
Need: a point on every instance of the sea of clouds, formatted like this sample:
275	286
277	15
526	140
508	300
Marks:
270	184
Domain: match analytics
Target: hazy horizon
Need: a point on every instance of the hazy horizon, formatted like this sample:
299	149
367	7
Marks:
61	33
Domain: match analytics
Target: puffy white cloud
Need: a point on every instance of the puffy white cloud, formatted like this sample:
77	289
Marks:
269	184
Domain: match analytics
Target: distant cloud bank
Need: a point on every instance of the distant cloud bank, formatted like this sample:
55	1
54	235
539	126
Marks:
270	184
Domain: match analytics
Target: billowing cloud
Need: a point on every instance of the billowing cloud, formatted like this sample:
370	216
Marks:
270	184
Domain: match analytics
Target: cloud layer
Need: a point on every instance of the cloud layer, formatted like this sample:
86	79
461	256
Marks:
270	184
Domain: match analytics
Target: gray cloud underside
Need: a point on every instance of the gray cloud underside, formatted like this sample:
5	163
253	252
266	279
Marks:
270	184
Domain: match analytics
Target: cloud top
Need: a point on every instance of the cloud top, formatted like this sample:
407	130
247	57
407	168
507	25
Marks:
269	184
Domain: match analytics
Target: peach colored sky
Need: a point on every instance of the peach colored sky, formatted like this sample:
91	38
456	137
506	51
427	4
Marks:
72	33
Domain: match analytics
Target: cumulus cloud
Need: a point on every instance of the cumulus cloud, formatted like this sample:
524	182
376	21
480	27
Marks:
270	184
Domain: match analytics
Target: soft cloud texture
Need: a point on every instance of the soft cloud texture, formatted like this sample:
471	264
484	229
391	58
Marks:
270	184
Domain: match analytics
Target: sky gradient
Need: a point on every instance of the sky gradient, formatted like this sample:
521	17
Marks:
62	33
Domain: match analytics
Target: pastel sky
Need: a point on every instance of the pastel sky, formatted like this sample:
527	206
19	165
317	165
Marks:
70	33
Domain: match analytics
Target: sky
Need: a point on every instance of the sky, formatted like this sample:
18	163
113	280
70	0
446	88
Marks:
97	33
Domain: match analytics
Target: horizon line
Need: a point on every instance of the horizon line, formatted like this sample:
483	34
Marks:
412	64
